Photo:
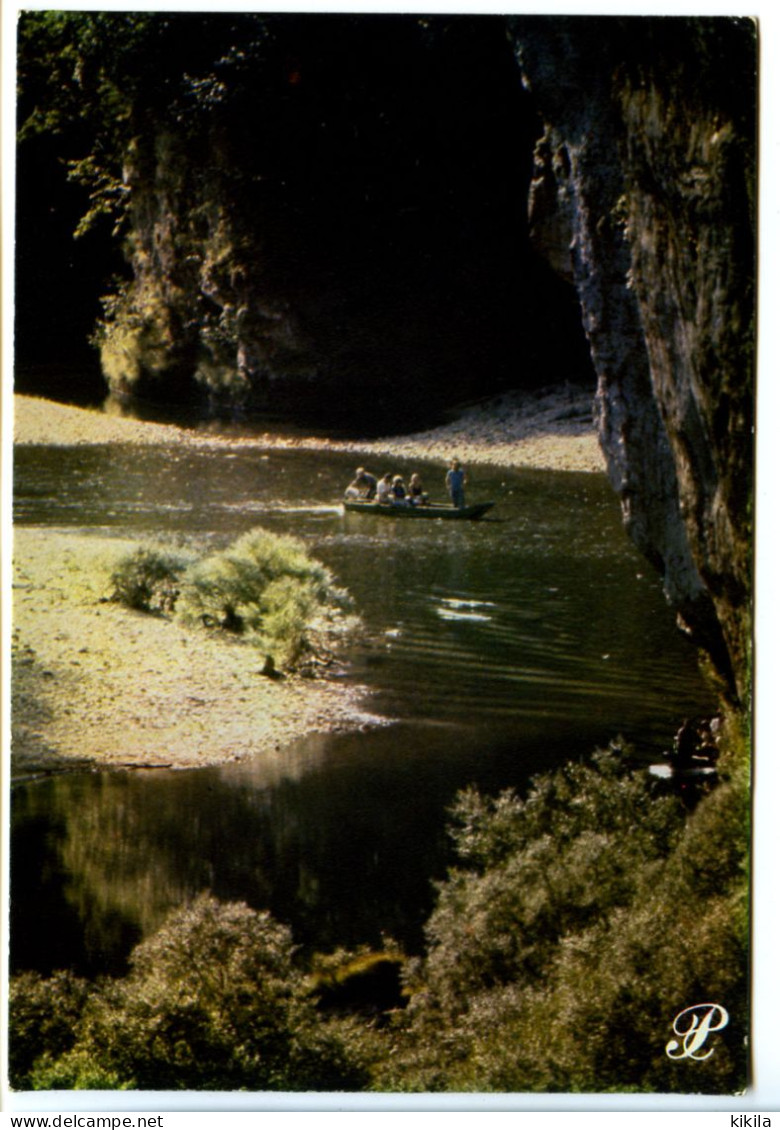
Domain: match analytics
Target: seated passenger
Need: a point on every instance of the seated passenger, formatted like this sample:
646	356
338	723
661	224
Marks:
364	484
416	493
399	491
384	488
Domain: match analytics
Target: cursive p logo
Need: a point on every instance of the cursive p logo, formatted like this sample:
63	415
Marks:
693	1026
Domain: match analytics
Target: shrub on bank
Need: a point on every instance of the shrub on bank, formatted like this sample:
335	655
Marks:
43	1018
267	588
148	580
213	1001
581	921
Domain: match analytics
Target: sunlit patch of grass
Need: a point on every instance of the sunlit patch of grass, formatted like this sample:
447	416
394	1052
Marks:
264	588
84	568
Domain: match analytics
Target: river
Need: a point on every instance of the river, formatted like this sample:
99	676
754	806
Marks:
497	649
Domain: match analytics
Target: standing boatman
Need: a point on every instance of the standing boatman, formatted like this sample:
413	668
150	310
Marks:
455	481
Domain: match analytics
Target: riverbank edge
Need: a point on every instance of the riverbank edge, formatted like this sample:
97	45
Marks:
97	686
550	429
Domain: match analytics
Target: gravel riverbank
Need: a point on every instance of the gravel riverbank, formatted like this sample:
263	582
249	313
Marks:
96	685
548	430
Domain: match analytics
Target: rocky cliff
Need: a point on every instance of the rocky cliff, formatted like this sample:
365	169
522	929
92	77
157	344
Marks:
643	193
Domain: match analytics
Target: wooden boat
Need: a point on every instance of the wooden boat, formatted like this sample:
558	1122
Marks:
429	510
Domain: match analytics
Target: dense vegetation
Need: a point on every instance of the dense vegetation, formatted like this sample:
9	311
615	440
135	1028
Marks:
579	921
581	918
213	1001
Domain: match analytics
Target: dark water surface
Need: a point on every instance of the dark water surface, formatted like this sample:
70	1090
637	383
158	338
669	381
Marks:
499	648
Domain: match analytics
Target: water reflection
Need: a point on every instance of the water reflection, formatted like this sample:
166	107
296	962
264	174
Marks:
342	841
128	847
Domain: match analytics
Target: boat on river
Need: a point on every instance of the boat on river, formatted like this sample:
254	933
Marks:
424	510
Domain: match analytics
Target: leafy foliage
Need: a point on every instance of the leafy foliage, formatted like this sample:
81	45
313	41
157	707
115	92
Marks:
101	79
213	1001
128	103
586	916
147	580
43	1018
78	74
267	587
541	868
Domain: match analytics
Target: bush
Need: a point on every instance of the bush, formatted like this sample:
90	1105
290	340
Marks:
44	1015
213	1001
147	580
77	1070
539	868
266	587
583	919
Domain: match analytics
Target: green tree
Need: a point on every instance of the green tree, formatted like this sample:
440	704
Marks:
107	84
79	79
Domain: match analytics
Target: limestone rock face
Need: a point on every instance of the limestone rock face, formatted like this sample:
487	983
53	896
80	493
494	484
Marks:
645	172
203	309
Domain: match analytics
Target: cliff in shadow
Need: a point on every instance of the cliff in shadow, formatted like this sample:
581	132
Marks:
643	193
320	215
